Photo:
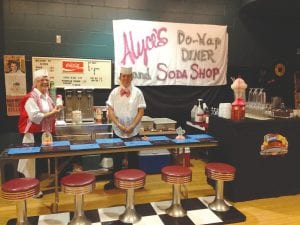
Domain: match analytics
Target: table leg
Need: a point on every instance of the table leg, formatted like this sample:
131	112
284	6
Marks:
49	167
54	207
184	192
179	156
183	156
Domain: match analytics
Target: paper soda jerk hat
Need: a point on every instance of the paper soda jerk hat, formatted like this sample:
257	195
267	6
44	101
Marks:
40	73
126	70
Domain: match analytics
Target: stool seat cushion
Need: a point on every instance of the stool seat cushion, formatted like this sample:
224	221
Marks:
130	175
176	171
220	168
78	179
20	185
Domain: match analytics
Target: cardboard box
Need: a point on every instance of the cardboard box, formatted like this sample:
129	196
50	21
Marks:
164	124
153	161
147	123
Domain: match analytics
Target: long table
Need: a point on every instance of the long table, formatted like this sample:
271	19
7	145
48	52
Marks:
258	175
107	145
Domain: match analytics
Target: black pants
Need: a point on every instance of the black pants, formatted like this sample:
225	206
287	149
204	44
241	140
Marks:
132	157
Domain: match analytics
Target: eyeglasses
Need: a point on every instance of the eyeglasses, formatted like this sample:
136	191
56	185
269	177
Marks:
44	80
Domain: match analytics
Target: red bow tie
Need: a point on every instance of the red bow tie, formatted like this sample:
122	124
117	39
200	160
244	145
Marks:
125	91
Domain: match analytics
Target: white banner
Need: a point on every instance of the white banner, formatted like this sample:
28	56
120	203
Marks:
171	53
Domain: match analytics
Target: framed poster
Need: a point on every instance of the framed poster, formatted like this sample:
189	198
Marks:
76	72
15	82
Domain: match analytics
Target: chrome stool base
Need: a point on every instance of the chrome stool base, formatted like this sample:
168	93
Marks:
18	190
79	216
22	213
177	176
129	180
78	184
80	220
219	205
176	211
130	216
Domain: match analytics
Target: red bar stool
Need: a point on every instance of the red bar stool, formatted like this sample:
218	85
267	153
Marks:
176	175
19	189
219	172
78	184
130	179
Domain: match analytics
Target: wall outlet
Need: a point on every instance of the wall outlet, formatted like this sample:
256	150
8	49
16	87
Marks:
58	39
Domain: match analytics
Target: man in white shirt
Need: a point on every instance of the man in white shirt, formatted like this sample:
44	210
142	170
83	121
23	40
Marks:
126	105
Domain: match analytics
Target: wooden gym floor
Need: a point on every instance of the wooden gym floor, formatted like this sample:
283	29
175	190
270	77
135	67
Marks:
275	211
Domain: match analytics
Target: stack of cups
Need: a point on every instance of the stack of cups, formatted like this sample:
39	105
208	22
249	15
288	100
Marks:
225	110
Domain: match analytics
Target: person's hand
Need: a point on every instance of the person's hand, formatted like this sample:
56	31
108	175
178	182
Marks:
57	109
121	127
54	111
129	129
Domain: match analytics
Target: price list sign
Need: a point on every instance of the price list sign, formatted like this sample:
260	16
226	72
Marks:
76	72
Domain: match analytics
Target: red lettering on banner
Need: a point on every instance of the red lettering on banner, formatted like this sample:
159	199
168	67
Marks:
197	73
164	73
202	73
133	51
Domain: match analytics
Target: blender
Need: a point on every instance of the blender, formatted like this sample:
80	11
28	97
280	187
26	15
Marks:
238	106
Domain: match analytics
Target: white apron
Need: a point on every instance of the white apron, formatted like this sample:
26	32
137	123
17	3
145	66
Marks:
27	166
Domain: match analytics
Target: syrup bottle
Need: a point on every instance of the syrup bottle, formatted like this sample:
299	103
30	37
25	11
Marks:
199	113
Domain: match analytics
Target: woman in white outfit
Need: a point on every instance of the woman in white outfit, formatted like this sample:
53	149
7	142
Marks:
37	115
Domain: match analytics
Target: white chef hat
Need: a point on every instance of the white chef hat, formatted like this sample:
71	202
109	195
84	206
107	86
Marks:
39	74
126	70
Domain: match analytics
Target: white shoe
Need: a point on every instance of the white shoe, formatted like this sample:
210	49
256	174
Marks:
39	195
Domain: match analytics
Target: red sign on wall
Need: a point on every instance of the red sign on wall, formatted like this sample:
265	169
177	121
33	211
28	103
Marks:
71	66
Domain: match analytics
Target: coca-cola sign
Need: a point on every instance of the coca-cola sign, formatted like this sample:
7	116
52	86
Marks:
71	66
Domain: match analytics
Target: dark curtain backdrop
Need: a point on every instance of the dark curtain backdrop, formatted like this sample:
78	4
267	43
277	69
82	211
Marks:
176	102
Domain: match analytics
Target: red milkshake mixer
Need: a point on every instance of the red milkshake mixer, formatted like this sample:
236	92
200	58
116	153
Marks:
238	106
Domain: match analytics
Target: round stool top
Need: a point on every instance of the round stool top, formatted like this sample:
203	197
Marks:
78	179
176	171
130	174
20	185
221	168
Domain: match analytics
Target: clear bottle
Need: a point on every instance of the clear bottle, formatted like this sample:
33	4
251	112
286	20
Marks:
104	117
193	113
250	95
199	117
205	112
59	103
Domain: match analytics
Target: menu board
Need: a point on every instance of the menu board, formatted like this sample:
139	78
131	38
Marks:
75	72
